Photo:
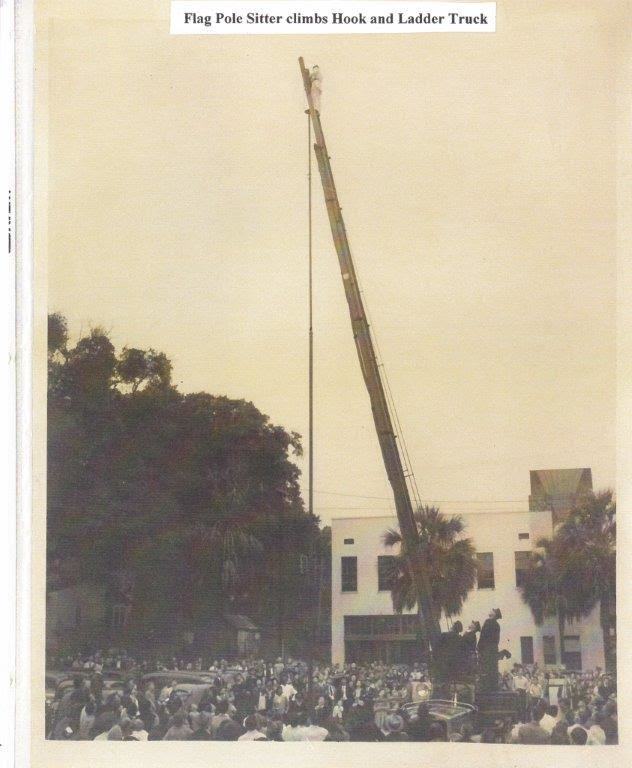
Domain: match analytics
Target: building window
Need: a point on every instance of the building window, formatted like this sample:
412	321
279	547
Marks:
77	615
522	536
386	625
303	563
349	541
522	566
118	616
385	572
526	650
572	653
548	646
349	574
358	625
485	570
410	623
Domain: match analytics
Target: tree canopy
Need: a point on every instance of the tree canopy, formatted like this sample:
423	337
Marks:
187	494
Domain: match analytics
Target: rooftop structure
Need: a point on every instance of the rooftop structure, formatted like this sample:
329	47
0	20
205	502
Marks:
559	490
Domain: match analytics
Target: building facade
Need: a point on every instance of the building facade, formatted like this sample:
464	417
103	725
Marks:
84	616
364	626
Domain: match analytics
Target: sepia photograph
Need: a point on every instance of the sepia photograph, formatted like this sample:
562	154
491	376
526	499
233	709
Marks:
325	382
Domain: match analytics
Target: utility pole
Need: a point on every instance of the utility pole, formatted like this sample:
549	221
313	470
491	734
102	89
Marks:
413	547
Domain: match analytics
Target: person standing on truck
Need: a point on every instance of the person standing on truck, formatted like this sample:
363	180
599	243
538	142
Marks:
488	651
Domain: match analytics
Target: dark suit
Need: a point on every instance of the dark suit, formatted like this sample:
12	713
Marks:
346	694
490	635
448	656
488	654
468	646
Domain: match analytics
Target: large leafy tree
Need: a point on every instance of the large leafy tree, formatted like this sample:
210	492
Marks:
572	572
451	563
190	495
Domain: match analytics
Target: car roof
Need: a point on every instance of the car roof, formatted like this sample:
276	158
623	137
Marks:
179	676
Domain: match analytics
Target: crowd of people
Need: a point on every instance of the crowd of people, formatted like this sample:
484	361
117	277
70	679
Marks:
257	700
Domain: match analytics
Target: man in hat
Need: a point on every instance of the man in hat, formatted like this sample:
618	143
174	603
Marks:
469	637
468	641
488	650
394	725
448	654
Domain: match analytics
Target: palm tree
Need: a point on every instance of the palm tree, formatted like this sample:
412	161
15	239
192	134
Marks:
541	587
572	572
588	537
451	563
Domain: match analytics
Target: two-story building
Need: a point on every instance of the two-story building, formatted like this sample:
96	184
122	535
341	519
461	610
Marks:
364	626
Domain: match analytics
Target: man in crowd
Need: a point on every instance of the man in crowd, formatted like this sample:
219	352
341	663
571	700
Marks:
252	731
469	641
203	730
532	732
488	650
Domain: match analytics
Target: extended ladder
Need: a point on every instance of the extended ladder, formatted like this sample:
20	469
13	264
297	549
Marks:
412	545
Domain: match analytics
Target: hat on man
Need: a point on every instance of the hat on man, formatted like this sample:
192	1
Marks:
477	626
394	723
498	613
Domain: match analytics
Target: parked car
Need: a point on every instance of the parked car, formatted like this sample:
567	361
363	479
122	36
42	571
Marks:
191	693
166	677
110	685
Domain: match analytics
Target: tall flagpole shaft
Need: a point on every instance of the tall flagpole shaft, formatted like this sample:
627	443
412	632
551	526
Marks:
315	555
311	324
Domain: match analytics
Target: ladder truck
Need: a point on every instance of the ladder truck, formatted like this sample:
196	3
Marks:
413	547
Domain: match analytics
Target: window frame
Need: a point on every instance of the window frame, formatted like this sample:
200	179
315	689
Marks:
492	585
551	638
517	571
119	616
348	558
577	655
531	649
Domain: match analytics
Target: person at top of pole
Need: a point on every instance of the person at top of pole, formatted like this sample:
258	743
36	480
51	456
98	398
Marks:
317	87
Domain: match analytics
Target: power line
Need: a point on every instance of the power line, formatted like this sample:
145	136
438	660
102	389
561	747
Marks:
391	512
426	501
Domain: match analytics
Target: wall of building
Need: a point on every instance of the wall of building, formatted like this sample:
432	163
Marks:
498	533
74	615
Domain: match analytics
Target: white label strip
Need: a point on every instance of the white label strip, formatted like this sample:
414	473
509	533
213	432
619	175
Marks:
284	17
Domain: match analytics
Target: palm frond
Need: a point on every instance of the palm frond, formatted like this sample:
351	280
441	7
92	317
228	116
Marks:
450	559
391	537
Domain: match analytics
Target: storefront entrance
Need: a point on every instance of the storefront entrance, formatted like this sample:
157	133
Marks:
388	639
386	651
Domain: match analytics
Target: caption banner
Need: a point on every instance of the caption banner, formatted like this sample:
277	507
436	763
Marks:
206	17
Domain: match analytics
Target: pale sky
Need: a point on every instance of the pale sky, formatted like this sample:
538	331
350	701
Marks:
477	179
